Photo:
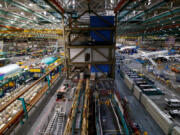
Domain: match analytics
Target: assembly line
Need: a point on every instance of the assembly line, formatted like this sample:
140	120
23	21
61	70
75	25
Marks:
18	91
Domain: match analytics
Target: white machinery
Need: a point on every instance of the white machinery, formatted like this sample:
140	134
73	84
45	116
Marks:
10	69
173	102
150	55
127	47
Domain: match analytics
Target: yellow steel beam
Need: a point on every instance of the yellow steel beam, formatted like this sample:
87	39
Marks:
84	129
68	126
25	35
41	31
44	33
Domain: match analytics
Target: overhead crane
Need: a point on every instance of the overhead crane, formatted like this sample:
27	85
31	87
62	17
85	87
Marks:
89	54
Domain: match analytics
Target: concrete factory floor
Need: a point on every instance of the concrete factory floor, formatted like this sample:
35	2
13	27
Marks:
139	114
40	121
40	112
36	115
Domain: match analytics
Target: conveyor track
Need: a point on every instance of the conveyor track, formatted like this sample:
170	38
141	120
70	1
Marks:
107	120
76	130
77	122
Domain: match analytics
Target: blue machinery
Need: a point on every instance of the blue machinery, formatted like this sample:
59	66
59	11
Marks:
10	83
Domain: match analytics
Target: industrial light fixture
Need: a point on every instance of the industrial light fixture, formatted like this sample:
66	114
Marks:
30	4
1	5
134	12
22	13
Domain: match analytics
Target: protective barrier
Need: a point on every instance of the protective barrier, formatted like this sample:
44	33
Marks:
137	92
129	82
176	131
159	116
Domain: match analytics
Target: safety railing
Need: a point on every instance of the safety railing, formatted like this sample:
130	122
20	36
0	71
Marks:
98	118
125	127
72	113
17	108
84	129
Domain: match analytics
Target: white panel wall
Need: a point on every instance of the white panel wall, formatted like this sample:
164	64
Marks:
137	92
96	56
128	82
74	52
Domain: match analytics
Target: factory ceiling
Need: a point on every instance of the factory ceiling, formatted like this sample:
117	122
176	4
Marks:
44	18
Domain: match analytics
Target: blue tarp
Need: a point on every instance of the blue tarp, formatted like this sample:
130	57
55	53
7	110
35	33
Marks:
103	68
49	60
96	21
172	51
140	61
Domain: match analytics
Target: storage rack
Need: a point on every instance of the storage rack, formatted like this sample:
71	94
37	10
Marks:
87	44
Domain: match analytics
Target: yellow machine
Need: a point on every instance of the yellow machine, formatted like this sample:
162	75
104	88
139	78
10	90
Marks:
10	84
62	54
20	63
35	70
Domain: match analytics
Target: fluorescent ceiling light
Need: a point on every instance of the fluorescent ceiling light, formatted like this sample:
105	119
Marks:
22	13
30	4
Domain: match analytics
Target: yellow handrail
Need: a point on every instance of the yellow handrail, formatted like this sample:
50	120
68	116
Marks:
84	129
71	116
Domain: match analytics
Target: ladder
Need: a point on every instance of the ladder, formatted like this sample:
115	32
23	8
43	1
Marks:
60	124
52	124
